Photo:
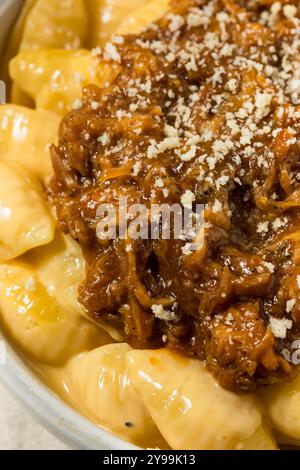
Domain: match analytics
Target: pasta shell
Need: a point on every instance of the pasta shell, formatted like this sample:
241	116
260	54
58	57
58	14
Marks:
143	16
106	16
55	24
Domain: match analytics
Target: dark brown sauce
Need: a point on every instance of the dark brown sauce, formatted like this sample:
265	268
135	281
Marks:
200	104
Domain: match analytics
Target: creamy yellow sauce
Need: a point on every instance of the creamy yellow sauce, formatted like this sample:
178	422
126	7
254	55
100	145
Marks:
150	398
164	413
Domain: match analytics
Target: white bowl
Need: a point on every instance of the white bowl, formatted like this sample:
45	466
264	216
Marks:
56	416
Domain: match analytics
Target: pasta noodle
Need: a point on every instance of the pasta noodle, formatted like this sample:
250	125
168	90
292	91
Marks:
99	377
52	24
54	78
45	24
48	25
262	439
151	11
24	141
282	406
189	408
25	218
155	398
61	268
106	15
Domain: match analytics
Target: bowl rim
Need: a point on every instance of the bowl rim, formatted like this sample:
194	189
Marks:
50	410
47	408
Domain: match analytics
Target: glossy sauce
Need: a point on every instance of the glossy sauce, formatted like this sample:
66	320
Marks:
193	114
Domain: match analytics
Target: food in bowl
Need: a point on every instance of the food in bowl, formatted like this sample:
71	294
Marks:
185	341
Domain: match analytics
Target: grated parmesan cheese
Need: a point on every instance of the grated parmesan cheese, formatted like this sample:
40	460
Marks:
279	327
189	155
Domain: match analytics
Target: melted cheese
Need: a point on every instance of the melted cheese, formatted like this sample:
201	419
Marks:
44	24
61	269
262	439
54	78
